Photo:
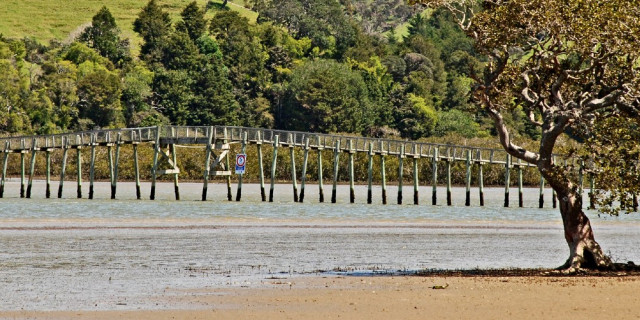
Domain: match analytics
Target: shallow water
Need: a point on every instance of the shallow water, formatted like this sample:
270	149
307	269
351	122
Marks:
58	254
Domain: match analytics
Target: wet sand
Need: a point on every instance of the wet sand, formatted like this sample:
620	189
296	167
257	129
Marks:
336	297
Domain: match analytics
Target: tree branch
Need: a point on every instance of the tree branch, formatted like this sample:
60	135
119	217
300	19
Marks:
505	137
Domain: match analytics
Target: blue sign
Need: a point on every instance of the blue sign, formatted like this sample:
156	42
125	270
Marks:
241	161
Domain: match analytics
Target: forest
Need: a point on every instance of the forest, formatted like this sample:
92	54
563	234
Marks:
312	65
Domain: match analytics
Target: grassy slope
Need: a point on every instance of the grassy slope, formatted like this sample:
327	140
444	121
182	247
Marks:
56	19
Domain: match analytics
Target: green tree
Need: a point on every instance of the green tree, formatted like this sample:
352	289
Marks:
567	64
193	21
153	25
326	96
99	99
104	36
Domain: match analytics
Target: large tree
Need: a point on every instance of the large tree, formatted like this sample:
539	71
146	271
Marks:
573	65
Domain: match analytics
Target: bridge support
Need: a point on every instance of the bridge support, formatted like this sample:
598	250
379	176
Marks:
4	168
383	173
243	150
32	167
336	154
263	194
370	174
22	179
553	191
520	196
541	197
274	161
416	182
65	148
48	173
136	170
400	173
79	171
304	168
467	198
352	190
507	180
434	177
320	179
480	179
448	161
92	165
294	179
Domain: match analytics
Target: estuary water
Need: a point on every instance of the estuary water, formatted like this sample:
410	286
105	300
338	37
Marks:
102	254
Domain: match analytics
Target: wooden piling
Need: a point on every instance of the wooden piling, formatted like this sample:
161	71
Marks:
416	183
507	180
136	170
480	179
448	161
520	195
207	162
4	168
383	173
581	181
370	175
32	167
541	197
352	190
79	171
592	194
400	173
434	177
48	174
467	198
263	194
294	179
22	177
276	142
64	166
243	150
92	165
553	191
336	155
320	180
154	168
226	141
304	168
176	186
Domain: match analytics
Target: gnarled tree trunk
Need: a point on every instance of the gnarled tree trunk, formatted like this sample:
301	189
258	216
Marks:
584	251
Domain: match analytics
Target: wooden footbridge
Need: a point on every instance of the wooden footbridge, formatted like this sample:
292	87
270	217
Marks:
217	140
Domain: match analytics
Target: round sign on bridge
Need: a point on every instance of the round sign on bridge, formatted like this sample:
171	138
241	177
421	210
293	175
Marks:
241	161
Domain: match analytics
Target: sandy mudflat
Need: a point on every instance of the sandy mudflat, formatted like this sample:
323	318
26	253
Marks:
400	297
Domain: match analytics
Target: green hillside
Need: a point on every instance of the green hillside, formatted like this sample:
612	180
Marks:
57	19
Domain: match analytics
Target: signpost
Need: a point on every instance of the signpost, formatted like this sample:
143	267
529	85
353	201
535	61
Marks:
241	161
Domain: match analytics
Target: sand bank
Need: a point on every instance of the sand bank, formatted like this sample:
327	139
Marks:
336	297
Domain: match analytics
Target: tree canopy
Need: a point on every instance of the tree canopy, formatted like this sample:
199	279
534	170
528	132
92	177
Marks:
571	66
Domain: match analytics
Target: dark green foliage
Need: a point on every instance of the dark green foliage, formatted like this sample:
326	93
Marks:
193	22
154	26
104	36
325	96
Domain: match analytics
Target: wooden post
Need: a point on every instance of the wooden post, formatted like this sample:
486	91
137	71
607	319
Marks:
448	161
276	142
553	191
226	141
370	175
467	198
48	174
207	162
520	199
154	168
592	190
400	172
416	183
304	168
263	195
336	155
434	176
352	190
79	171
111	167
480	179
22	178
92	165
4	168
176	186
383	173
541	198
136	170
320	180
64	166
507	180
294	179
243	150
32	167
